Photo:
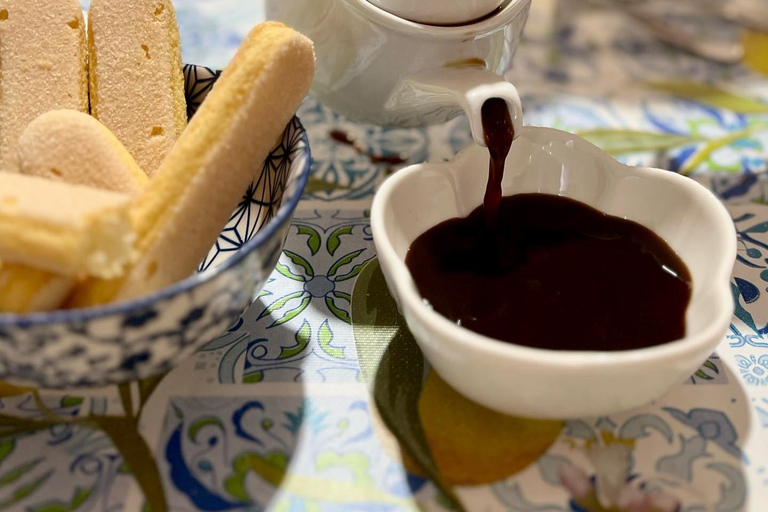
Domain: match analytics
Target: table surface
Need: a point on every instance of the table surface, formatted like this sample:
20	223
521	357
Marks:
319	400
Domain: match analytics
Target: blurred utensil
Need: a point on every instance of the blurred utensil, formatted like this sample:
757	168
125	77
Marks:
724	52
748	13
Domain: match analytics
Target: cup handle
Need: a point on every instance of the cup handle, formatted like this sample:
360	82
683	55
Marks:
465	88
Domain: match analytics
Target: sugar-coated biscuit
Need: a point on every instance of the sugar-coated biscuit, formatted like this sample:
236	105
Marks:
69	230
69	146
43	66
27	290
136	76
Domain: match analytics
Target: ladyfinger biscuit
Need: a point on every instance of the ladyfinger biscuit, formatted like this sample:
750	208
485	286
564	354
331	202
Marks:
43	66
137	82
69	146
69	230
180	214
26	290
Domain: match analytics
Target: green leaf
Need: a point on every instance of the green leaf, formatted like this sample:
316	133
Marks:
712	366
126	398
290	315
71	401
253	378
286	271
352	273
15	474
280	304
314	241
147	387
345	296
337	311
706	151
80	496
393	368
298	260
6	448
200	424
235	484
24	492
346	260
317	185
700	374
7	390
137	455
326	338
334	241
357	464
303	336
271	468
710	95
617	142
761	227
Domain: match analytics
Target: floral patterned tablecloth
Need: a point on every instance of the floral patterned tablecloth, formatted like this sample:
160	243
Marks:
318	398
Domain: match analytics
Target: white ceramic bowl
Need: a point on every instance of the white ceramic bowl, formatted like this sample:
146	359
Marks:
550	384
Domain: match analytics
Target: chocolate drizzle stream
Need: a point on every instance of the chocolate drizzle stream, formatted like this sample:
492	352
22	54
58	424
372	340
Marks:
499	133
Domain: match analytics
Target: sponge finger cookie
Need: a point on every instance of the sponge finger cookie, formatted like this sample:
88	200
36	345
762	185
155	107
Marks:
25	289
43	65
69	230
69	146
136	77
180	214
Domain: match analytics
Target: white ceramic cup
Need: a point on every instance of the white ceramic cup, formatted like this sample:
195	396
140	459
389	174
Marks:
439	12
378	68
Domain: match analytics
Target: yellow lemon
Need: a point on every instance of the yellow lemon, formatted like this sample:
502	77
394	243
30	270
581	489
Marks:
472	445
756	50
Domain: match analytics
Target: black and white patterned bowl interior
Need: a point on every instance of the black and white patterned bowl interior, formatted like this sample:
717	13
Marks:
133	340
265	194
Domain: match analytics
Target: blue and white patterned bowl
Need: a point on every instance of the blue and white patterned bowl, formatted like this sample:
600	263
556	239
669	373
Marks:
137	339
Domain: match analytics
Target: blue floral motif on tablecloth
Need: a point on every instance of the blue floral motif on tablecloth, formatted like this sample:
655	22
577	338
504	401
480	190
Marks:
238	452
302	315
63	467
603	459
753	369
750	280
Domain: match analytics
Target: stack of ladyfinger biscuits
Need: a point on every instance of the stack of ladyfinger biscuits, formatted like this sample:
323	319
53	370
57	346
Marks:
105	193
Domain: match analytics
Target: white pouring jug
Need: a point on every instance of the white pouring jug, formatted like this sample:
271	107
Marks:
376	67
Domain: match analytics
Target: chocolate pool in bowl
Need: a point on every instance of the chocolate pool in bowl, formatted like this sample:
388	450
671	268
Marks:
601	283
598	282
137	339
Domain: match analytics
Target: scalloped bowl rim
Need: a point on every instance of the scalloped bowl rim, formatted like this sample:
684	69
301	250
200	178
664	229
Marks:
412	301
283	214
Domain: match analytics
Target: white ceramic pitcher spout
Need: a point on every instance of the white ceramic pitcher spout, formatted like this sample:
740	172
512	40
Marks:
429	96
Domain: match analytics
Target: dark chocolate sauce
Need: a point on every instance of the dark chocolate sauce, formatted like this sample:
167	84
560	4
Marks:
390	160
549	272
